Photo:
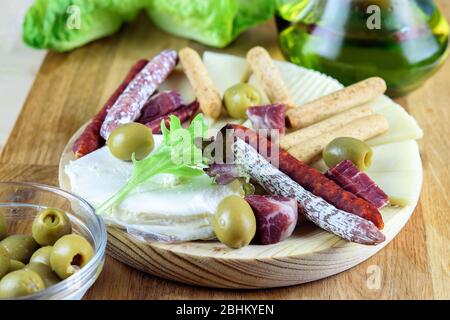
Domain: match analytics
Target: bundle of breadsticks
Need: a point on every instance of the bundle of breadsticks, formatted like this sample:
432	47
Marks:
343	113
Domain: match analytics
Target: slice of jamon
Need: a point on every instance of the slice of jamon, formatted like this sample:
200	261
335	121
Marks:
184	113
347	175
271	116
160	104
276	217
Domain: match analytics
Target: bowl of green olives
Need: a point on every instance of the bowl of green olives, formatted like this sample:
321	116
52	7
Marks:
52	244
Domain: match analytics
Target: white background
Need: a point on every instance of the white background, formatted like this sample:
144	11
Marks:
18	64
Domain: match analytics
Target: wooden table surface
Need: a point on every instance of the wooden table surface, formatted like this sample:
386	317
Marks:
70	88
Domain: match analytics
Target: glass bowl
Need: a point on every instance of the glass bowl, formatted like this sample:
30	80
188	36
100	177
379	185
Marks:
21	201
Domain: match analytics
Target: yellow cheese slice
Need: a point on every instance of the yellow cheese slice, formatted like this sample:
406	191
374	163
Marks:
402	126
178	81
225	70
396	157
304	85
402	187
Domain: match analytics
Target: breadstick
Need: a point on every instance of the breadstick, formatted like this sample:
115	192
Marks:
207	94
336	102
268	75
335	122
362	129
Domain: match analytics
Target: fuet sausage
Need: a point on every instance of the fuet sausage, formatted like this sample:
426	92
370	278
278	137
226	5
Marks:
346	225
313	180
128	105
90	140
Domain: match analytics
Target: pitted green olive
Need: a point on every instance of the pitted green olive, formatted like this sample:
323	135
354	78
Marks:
234	222
20	283
345	148
2	227
42	255
238	98
15	265
20	247
131	138
45	272
70	253
50	225
5	261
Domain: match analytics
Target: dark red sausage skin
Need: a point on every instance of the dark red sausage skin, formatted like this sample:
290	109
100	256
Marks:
184	113
90	140
313	180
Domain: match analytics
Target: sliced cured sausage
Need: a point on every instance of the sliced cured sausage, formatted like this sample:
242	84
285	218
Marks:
128	105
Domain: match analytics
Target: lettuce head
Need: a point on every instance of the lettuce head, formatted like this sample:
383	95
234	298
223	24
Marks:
63	25
215	23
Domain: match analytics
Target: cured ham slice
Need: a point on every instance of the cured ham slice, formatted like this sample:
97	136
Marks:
271	116
347	175
276	217
160	104
184	113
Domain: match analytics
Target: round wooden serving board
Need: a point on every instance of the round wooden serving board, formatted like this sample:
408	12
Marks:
309	254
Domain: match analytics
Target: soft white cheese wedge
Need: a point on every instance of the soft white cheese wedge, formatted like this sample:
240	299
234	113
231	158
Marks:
225	70
165	208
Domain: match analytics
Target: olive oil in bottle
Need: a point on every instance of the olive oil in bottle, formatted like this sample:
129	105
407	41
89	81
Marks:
402	41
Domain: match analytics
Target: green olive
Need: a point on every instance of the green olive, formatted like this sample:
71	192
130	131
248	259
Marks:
238	98
45	272
5	261
131	138
234	222
352	149
20	247
20	283
15	265
50	225
70	253
2	227
42	255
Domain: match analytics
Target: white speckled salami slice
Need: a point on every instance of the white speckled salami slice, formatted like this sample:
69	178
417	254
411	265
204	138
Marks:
128	106
341	223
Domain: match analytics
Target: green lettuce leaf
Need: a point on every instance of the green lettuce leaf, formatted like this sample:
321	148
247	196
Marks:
63	25
178	154
215	23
